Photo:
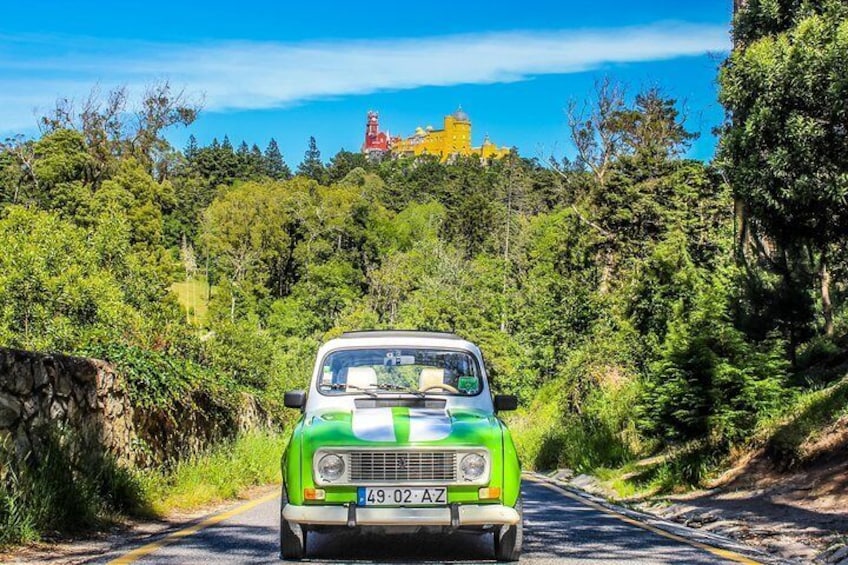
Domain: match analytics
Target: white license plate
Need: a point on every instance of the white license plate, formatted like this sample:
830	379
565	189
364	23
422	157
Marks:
401	496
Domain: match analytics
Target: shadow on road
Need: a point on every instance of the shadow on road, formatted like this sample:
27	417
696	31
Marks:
558	530
454	548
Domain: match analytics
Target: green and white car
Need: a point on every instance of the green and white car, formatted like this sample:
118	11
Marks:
400	433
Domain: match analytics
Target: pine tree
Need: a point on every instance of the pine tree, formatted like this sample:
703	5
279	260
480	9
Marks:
191	148
312	166
255	153
274	164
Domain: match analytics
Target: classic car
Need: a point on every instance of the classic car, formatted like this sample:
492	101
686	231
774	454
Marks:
400	432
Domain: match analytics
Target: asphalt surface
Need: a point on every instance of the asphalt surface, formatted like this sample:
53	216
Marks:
558	529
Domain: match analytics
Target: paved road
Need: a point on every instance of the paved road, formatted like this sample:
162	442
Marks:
558	529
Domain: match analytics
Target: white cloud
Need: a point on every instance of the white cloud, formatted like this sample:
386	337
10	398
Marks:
242	75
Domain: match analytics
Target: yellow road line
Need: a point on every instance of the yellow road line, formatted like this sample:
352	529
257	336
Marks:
149	548
717	551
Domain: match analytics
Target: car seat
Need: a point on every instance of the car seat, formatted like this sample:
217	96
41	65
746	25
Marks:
361	377
431	376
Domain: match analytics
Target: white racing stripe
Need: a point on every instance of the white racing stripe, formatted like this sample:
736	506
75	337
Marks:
373	424
428	425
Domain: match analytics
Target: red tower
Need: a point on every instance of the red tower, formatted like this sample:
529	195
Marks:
376	141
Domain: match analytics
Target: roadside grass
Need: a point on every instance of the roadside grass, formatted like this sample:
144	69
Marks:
788	435
193	295
64	492
788	438
68	493
219	474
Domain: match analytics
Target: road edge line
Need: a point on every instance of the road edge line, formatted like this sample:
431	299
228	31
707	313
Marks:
148	548
622	515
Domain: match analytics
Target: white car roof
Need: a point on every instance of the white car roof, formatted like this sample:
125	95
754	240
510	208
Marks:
352	340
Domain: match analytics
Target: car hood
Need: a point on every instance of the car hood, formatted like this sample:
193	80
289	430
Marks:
401	426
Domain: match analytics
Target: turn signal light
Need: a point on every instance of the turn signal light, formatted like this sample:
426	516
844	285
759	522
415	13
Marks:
314	494
489	492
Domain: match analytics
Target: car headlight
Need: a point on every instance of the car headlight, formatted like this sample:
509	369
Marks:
472	466
331	467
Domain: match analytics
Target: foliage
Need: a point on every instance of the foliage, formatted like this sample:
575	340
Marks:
56	292
312	167
784	149
709	382
76	491
64	490
607	292
221	473
161	380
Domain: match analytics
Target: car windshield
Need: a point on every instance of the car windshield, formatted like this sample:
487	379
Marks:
417	371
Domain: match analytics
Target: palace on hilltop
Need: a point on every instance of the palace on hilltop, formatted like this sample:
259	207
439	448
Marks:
453	139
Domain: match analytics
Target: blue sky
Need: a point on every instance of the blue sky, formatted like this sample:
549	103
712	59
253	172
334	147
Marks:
291	70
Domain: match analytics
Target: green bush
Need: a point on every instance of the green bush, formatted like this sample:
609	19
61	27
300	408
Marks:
602	436
68	492
64	490
709	382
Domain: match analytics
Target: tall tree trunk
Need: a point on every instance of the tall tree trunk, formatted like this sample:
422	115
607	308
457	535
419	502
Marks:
505	307
742	232
827	306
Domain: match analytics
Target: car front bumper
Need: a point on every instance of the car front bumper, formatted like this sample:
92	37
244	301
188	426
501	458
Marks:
459	515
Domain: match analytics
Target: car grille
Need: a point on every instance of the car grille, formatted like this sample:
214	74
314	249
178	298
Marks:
402	466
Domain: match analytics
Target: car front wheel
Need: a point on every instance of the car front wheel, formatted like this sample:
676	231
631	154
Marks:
508	539
292	535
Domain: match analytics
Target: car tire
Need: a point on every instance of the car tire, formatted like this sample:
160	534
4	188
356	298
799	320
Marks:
292	535
508	539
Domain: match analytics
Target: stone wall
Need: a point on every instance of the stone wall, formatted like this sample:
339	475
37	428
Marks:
87	402
83	397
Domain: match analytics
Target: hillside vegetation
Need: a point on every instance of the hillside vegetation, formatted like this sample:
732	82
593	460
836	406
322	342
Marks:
637	301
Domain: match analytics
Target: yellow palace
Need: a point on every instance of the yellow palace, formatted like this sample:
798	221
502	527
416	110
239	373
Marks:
453	139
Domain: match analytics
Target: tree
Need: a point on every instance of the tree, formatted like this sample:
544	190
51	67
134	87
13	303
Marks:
226	145
113	129
242	227
245	231
708	382
343	163
312	166
273	163
55	291
249	162
144	201
596	129
18	182
190	150
785	150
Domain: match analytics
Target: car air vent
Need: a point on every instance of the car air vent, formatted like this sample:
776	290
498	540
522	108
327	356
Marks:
402	402
402	466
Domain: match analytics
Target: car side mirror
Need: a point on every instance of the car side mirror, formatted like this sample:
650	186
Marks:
505	402
295	399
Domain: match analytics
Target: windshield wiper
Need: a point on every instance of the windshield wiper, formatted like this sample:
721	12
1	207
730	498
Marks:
345	387
399	388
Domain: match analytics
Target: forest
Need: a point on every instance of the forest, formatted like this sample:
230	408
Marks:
635	300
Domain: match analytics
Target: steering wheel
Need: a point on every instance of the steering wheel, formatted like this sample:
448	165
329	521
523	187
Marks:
442	386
